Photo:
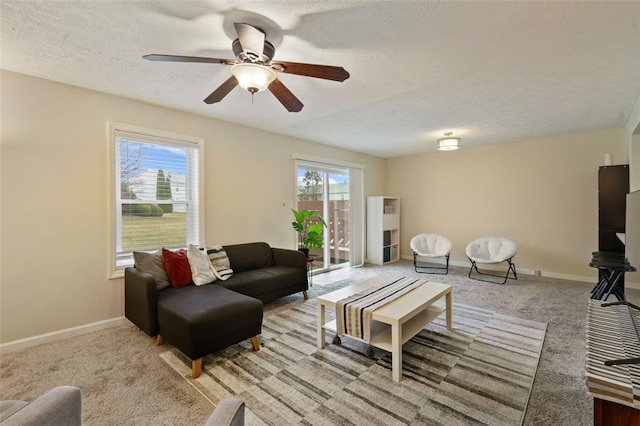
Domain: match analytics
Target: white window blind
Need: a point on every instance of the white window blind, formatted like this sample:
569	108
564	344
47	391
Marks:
156	192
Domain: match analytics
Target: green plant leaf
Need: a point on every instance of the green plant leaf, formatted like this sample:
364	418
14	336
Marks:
316	228
310	234
313	240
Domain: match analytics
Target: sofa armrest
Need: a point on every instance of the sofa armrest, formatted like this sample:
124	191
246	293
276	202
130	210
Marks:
141	300
59	406
229	412
285	257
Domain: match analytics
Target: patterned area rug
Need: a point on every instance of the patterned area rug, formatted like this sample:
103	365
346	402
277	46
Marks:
481	373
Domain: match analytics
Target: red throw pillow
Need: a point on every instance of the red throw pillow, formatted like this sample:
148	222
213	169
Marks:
177	265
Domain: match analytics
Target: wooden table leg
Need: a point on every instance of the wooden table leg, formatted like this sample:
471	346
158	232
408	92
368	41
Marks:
320	316
449	302
396	352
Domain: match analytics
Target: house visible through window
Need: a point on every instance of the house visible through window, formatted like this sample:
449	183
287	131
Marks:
156	192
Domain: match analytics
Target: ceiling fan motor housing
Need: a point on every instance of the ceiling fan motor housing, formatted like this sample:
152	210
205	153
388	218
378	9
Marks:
250	56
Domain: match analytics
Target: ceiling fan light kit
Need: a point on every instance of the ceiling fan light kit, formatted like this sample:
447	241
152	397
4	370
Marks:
448	143
253	70
253	77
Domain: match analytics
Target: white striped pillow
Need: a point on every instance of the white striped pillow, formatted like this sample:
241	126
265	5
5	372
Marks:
219	262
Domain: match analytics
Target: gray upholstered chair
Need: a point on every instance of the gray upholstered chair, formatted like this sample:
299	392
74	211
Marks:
59	406
492	250
228	412
63	406
430	246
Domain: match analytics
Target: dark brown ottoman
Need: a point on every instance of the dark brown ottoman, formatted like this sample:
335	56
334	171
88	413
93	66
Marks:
199	320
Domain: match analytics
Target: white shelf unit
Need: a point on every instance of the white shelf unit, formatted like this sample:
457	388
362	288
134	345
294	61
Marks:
381	332
383	229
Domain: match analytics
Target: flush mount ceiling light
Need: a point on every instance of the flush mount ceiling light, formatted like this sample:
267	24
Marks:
253	77
448	143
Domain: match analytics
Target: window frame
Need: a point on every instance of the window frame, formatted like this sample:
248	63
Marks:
116	263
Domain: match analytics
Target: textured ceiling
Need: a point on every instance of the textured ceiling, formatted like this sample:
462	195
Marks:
491	72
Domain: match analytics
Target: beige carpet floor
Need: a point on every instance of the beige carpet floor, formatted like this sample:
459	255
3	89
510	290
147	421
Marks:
479	373
125	382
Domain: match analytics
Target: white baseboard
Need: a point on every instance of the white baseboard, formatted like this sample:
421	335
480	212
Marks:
483	266
30	342
633	285
535	272
569	277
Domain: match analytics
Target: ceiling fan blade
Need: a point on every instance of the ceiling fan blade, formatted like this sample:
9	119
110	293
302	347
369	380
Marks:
326	72
222	91
284	95
251	38
176	58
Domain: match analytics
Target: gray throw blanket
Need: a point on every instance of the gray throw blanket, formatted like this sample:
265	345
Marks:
353	313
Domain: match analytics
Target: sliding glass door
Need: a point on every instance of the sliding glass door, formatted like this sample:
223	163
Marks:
325	189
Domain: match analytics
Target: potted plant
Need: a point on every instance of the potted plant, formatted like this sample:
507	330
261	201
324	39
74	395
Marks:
308	224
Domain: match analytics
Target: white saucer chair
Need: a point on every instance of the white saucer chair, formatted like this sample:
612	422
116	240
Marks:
492	250
431	246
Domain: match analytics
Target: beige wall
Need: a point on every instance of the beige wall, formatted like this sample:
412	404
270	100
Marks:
54	180
632	133
634	154
540	193
54	218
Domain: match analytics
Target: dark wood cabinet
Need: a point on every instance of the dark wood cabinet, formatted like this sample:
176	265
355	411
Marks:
607	413
613	187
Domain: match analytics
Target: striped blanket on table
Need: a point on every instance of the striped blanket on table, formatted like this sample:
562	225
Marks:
353	313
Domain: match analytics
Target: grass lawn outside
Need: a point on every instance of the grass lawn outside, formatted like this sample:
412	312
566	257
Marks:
148	233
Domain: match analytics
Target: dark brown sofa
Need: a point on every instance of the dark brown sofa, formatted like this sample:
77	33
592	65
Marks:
202	319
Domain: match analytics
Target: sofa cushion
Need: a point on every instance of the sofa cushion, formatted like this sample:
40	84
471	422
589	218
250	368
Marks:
249	256
201	270
228	412
257	282
177	265
61	405
8	407
199	320
152	263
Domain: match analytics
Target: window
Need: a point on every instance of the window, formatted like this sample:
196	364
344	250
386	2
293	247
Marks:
156	192
335	190
325	189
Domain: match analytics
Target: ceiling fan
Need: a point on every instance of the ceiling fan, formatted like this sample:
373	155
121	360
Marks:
254	70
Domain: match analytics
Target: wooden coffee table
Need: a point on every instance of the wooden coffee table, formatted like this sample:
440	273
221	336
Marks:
394	323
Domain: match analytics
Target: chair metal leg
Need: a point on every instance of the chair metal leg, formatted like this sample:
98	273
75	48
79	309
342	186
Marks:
511	268
430	269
